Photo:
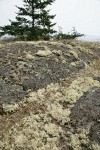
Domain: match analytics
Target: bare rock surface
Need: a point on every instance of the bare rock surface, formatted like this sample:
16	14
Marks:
49	95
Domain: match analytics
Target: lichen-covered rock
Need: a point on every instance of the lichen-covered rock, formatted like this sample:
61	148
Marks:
43	53
57	52
78	64
49	95
33	133
74	54
29	56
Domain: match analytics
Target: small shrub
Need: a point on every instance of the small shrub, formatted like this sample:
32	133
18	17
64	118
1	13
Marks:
73	35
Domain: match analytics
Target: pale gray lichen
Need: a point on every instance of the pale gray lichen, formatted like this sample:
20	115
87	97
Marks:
95	146
32	132
60	114
44	53
8	108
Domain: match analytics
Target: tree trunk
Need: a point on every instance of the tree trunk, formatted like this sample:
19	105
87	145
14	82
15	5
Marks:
33	23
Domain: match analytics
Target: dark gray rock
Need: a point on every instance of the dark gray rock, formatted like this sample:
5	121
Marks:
86	113
11	93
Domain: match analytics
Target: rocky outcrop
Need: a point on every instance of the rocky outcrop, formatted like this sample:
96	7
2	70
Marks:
49	95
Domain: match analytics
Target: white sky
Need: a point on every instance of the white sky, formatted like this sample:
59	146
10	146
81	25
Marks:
84	15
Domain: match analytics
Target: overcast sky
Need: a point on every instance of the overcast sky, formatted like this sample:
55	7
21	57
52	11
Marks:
84	15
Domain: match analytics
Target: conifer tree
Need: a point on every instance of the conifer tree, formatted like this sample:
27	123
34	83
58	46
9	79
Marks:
33	21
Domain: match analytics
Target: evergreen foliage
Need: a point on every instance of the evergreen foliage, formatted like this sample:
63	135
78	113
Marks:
73	35
33	21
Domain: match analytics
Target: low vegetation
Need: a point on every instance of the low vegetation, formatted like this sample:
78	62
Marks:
71	35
